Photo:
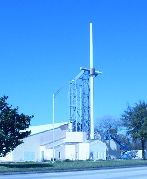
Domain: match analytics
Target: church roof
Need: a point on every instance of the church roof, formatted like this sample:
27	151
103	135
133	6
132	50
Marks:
45	127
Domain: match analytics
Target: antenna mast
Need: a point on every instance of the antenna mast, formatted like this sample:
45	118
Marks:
82	97
92	74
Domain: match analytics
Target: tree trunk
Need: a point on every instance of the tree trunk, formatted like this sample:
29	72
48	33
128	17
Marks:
143	149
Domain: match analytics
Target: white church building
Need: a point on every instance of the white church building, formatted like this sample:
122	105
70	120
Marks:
45	139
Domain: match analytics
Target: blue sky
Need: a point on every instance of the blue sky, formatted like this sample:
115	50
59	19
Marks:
43	43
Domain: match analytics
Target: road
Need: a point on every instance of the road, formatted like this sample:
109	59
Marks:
123	173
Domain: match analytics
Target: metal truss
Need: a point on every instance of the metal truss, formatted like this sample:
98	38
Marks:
80	102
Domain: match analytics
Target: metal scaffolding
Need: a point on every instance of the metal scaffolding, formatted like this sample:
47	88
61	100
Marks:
82	97
80	102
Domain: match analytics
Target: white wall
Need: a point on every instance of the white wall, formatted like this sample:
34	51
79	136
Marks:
97	150
64	152
30	150
139	154
45	153
60	152
47	137
67	145
82	151
75	137
70	152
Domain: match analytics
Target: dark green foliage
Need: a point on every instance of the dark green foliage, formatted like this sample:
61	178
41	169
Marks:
12	127
135	121
26	165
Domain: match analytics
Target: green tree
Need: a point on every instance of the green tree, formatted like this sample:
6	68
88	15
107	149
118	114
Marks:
12	127
135	121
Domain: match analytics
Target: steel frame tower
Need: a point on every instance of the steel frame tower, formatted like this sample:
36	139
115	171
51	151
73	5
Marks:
79	103
82	96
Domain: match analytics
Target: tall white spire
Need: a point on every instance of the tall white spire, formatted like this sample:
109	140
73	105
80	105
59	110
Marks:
91	46
92	72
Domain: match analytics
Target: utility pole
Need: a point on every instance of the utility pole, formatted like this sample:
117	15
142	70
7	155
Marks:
53	122
53	119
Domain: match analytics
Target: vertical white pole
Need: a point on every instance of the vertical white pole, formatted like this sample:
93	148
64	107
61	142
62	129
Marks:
91	47
91	87
53	126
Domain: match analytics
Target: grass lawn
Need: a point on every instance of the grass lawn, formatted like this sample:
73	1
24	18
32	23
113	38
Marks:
67	165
